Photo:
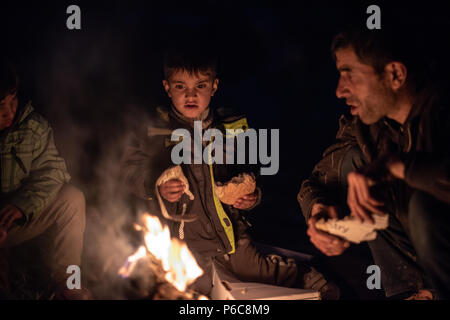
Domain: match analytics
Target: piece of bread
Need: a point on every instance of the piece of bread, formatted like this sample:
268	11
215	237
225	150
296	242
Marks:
175	173
236	188
352	230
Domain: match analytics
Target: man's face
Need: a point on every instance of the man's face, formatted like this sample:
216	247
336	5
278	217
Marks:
190	93
363	89
8	108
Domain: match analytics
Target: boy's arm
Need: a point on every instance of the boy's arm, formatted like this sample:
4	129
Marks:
47	175
236	122
141	169
137	170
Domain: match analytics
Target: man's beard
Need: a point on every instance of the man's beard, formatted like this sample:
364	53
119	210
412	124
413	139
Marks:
370	114
377	106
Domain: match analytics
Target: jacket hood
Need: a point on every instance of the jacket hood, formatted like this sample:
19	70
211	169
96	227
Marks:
23	111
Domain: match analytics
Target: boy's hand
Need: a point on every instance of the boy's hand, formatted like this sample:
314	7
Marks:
328	244
8	214
172	190
3	235
246	201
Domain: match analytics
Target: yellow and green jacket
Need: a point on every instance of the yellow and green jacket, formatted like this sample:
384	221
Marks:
208	226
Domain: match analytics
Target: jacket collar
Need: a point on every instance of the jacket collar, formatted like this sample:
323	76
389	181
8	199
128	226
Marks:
206	117
23	113
424	98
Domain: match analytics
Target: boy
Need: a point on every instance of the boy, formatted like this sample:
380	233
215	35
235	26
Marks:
35	200
214	232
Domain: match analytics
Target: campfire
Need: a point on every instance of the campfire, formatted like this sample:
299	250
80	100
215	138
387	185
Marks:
168	259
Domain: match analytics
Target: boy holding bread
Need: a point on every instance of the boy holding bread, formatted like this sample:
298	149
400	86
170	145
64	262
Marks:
202	203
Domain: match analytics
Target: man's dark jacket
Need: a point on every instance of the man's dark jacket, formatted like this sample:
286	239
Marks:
423	142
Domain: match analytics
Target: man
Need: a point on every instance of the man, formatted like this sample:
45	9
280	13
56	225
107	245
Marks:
391	156
36	201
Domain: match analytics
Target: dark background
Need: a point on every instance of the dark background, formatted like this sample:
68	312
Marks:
275	65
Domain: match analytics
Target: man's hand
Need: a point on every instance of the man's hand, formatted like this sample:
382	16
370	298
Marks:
396	167
246	201
325	242
8	214
359	199
172	190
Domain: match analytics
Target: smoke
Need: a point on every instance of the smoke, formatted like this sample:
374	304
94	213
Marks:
87	90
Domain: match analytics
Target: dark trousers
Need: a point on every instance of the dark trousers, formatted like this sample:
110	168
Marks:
429	225
417	256
247	264
58	231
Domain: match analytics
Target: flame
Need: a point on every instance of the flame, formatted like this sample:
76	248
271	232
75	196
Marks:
131	262
177	261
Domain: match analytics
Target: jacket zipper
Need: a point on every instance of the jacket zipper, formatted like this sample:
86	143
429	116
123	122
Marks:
19	162
409	138
212	221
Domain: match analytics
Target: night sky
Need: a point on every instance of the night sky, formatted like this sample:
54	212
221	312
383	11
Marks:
275	65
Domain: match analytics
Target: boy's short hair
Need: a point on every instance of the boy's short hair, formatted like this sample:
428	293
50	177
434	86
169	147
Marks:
193	61
9	80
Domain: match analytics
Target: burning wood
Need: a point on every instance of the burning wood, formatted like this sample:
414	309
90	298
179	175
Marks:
172	264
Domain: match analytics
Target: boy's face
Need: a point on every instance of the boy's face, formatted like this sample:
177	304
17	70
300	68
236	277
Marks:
190	93
8	108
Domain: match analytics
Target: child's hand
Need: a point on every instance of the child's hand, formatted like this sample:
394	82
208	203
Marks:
246	201
3	234
172	190
8	215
